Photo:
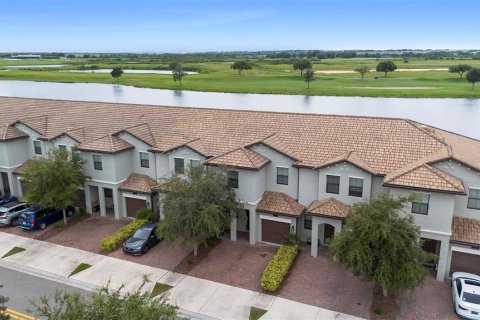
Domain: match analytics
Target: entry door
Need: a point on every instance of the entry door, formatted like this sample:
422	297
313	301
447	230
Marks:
328	232
6	184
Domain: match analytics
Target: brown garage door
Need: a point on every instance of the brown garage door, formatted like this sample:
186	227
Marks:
80	200
465	262
274	231
133	205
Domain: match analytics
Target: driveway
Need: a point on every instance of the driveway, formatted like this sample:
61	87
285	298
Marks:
236	263
327	284
32	234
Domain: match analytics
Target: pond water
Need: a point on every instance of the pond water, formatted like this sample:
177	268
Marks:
458	115
127	71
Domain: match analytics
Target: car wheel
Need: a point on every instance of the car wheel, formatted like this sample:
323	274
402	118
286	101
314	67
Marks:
146	249
43	226
69	213
14	222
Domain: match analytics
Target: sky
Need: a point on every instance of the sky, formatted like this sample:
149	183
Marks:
231	25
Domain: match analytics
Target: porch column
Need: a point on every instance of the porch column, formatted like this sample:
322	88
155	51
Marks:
443	258
10	183
253	227
314	240
101	201
233	229
88	198
117	207
449	262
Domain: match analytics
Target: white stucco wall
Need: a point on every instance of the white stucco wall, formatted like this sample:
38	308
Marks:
107	173
377	187
278	160
140	146
66	141
440	211
345	171
187	154
13	153
470	178
308	186
251	185
32	135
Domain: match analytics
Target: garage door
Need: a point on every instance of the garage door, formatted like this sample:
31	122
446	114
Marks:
274	231
465	262
133	205
80	200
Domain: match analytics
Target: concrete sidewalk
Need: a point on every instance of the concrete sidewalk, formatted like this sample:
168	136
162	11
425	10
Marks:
195	297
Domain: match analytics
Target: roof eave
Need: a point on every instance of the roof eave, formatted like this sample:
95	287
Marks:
423	189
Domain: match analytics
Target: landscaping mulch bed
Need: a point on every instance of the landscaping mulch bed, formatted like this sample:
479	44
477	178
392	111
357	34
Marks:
190	261
58	227
383	308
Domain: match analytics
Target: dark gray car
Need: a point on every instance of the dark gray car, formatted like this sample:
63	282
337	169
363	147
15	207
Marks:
10	212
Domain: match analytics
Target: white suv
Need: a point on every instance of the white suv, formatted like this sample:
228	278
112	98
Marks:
10	212
466	294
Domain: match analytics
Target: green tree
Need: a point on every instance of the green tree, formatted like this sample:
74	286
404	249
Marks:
104	303
116	73
3	307
381	245
386	67
174	65
198	207
362	70
53	181
308	77
460	69
302	64
473	76
178	74
241	65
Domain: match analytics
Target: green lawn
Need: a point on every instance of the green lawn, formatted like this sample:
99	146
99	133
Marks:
270	76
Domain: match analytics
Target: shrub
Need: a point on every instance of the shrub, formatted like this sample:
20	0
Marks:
82	211
291	239
110	243
278	267
144	214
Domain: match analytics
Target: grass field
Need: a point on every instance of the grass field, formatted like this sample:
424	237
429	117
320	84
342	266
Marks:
268	76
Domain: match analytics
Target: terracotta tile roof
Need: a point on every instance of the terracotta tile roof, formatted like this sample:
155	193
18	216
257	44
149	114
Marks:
279	203
379	145
465	230
142	132
350	157
106	144
426	177
240	158
21	168
138	183
329	207
274	142
10	133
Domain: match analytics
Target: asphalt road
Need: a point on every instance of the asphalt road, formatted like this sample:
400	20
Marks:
20	288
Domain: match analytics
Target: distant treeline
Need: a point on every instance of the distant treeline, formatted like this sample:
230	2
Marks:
281	54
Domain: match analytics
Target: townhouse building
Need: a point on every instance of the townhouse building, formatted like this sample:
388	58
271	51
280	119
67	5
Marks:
294	173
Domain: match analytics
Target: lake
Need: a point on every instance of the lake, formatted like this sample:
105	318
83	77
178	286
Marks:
458	115
137	71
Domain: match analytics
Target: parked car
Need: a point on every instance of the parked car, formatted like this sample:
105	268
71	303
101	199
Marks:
37	217
142	240
7	199
10	212
466	294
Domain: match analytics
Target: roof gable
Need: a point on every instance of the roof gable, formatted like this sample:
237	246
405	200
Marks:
11	133
240	158
329	207
279	203
138	183
106	144
350	157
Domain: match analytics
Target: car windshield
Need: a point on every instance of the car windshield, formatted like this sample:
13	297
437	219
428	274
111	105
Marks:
471	297
142	234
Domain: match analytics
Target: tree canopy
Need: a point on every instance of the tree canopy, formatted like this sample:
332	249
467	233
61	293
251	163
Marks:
104	303
362	70
174	65
386	67
198	207
53	181
381	245
242	65
460	69
308	77
302	65
178	74
473	76
116	72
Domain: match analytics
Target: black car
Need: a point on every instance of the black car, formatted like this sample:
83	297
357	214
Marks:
142	240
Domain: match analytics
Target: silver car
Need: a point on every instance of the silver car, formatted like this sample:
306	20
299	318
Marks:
466	294
10	212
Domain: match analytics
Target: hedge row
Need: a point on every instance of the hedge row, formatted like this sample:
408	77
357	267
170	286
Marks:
278	267
110	243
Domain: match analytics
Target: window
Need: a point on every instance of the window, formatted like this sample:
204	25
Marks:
420	205
473	199
37	146
233	179
62	147
307	222
108	192
194	163
144	160
356	187
282	175
333	184
179	165
97	162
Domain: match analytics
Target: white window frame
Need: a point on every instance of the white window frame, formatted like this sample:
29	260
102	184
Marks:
101	161
148	159
175	167
326	182
288	175
35	147
199	162
363	185
428	205
468	197
60	146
